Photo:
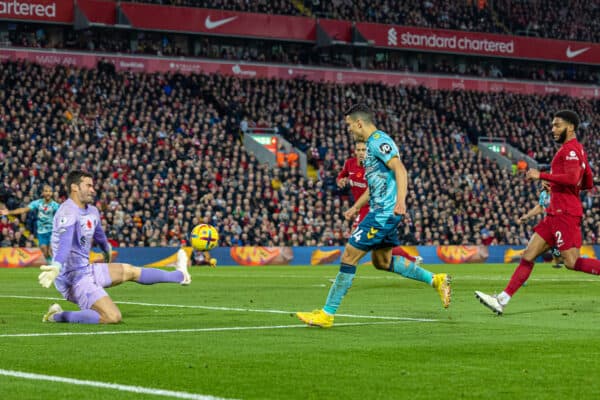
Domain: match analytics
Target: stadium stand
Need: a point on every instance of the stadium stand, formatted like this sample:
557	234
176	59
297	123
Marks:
166	152
543	18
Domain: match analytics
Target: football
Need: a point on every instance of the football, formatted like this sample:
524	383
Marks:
205	237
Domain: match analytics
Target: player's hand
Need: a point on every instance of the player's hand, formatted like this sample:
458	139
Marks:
533	174
400	208
4	211
521	220
342	182
108	254
351	213
48	275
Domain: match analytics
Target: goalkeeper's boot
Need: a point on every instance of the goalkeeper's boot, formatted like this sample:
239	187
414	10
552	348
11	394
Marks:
490	302
441	283
182	265
54	309
212	262
316	318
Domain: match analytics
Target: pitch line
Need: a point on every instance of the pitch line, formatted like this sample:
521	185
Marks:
105	385
216	308
188	330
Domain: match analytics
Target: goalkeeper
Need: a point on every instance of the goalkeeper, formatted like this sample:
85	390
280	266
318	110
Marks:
76	225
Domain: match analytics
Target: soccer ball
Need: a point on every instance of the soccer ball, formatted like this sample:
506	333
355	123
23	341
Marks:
205	237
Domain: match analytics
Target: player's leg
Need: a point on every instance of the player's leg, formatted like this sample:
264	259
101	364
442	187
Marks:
574	261
569	230
120	273
557	259
384	260
89	294
44	243
343	282
536	246
399	251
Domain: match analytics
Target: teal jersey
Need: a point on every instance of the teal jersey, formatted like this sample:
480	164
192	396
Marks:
380	179
544	199
45	214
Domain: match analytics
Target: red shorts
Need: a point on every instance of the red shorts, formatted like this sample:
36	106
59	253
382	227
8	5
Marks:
560	231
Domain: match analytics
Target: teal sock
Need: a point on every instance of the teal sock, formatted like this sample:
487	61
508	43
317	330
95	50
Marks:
338	290
409	269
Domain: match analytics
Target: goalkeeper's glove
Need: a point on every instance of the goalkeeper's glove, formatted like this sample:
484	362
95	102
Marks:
108	254
49	274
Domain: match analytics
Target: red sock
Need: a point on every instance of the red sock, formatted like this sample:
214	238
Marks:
588	265
519	277
399	251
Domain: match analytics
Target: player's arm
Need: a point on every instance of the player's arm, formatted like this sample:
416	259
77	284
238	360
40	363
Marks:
65	230
360	203
537	210
102	241
401	184
342	176
16	211
571	175
588	178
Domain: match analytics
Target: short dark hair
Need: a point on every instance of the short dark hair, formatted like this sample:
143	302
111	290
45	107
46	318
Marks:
75	177
361	111
568	115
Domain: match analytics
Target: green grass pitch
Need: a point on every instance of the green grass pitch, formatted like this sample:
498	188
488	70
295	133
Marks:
231	334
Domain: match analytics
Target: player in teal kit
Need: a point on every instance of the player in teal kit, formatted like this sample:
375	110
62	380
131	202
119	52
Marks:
45	208
387	182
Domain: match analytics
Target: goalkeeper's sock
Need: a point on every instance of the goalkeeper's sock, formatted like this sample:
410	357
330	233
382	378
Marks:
340	287
150	276
409	269
78	317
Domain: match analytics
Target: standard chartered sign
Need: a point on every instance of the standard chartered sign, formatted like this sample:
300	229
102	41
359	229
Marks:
445	43
17	8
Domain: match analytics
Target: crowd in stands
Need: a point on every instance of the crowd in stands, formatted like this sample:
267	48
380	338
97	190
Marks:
573	20
164	44
166	153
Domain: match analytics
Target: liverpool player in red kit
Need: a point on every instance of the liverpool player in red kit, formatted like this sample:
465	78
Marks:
561	228
353	175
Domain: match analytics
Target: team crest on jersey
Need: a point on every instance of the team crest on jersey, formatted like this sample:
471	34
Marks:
572	156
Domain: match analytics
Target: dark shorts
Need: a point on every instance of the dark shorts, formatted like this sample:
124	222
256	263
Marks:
373	234
86	287
560	231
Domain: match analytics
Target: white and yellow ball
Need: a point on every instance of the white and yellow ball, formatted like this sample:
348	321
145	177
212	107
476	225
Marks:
205	237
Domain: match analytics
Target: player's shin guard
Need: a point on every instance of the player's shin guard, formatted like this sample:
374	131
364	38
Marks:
340	287
150	276
587	265
409	269
78	317
519	277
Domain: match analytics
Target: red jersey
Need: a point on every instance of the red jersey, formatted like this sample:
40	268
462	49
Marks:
570	174
357	181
